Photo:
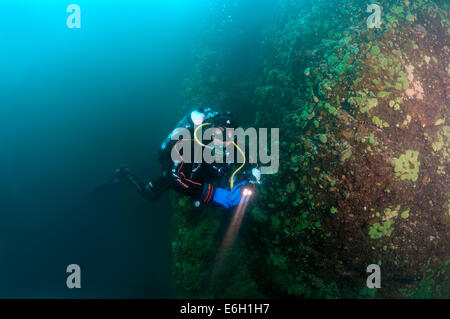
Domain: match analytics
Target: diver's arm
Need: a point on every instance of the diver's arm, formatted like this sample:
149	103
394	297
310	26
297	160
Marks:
204	192
179	173
182	184
207	193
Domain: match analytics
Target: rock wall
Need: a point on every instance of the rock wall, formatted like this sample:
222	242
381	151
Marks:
364	160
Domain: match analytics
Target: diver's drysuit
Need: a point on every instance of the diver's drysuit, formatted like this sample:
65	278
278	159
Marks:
202	181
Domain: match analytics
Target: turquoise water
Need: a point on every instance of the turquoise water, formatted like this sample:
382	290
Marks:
75	104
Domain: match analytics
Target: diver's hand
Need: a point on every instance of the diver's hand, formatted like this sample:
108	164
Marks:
223	197
230	198
256	175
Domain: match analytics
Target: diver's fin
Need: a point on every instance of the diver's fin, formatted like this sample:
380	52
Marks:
105	186
119	175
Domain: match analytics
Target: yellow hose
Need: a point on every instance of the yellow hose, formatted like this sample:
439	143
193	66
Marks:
239	168
235	145
195	134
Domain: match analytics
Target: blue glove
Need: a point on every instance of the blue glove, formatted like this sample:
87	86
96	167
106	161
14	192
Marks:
227	198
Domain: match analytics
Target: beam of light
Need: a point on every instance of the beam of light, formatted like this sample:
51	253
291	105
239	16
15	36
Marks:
230	236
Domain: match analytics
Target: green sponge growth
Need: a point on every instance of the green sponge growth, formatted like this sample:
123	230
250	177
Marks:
378	230
375	50
407	166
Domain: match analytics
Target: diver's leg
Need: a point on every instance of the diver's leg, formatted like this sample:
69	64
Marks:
150	191
158	186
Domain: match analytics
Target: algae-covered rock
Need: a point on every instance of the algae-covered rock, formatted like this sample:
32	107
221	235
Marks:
364	158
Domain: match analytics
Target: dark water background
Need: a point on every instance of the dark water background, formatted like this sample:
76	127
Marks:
74	104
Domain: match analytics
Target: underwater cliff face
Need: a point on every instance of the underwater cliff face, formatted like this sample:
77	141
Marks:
364	158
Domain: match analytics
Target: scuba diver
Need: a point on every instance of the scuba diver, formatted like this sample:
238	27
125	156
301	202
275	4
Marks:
216	182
